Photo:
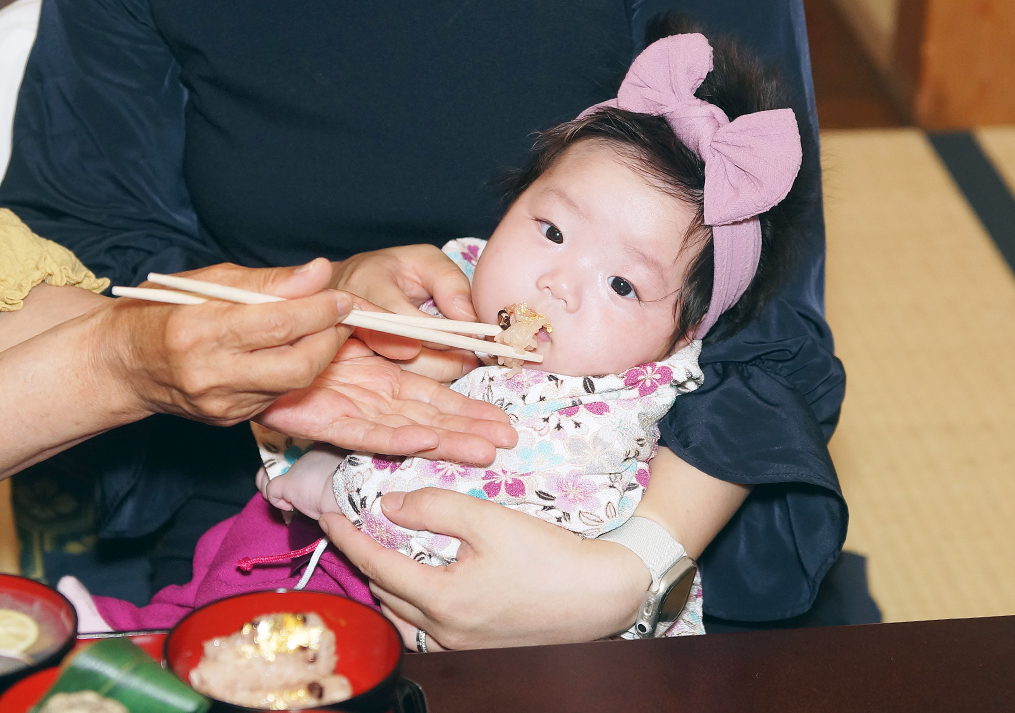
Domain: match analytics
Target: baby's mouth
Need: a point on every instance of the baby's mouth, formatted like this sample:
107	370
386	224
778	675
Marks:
542	337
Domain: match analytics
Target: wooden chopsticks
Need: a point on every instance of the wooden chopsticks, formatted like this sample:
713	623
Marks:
424	328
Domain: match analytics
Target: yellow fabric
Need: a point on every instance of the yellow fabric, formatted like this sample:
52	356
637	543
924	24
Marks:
27	260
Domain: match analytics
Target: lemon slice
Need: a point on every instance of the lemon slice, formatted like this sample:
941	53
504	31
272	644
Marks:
17	631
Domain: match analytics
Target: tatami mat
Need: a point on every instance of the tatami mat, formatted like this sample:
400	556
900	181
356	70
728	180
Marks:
998	142
922	306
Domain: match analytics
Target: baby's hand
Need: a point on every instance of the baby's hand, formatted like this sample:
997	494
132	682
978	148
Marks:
306	486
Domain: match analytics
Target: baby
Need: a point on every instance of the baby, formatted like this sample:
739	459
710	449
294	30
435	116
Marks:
632	230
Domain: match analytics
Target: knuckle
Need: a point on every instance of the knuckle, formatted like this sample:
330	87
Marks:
222	273
304	371
221	410
426	250
276	326
370	568
427	498
195	383
181	334
454	639
440	611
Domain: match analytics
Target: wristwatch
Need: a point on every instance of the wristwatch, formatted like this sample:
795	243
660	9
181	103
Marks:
671	568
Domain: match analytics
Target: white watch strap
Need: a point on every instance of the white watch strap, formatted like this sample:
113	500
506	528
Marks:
651	542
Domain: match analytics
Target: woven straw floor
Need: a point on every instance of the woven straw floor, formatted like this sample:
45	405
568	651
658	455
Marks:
922	306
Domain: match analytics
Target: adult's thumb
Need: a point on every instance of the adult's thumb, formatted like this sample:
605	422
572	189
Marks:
298	281
442	511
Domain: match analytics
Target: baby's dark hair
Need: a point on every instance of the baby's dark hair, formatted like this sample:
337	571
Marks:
737	84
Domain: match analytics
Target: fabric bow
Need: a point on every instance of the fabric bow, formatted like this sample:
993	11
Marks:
750	163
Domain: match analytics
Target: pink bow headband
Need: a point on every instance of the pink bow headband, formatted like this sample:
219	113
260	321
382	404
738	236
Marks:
750	163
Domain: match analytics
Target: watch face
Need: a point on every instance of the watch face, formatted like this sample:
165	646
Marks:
674	601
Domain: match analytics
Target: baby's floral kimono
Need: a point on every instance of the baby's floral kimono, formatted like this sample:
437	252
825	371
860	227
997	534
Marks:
581	462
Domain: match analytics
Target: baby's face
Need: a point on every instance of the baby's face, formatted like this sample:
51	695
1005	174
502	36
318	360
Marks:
594	247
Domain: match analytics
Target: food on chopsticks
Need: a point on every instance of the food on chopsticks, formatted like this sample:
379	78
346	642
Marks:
277	661
520	325
82	702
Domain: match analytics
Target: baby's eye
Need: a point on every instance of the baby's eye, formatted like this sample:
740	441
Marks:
622	287
551	232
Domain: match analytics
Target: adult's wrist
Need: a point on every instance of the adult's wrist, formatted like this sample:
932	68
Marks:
628	581
117	363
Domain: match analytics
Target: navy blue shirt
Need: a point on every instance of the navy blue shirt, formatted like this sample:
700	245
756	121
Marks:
170	134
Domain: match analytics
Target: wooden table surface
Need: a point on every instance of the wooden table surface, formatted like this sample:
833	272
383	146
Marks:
950	665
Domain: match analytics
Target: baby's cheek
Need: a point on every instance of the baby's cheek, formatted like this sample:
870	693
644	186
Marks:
482	299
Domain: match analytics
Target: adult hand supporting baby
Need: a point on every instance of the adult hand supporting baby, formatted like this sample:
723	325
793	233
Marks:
399	279
518	580
364	402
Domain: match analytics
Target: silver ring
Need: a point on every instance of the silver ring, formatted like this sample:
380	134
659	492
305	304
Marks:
421	641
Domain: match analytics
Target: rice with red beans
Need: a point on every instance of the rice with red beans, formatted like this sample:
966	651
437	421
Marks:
277	661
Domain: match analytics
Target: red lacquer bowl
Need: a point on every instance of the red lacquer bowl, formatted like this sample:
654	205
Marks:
27	692
369	648
54	615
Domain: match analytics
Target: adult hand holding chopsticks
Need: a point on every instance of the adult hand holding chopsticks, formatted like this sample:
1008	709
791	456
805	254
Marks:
335	391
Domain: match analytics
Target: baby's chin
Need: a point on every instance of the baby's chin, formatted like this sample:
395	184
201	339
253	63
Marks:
557	359
557	364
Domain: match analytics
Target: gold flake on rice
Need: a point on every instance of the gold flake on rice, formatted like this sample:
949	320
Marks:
278	661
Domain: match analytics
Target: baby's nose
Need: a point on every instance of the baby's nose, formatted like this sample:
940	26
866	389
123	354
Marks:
563	286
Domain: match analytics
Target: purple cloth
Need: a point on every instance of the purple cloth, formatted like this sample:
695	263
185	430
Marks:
257	531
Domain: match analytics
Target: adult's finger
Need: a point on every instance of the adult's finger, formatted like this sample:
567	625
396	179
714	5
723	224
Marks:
390	346
419	388
277	323
445	512
456	412
474	450
281	369
407	629
390	569
323	415
404	616
445	281
288	282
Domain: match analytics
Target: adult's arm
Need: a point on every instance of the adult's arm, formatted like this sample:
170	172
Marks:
123	360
